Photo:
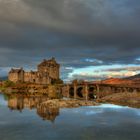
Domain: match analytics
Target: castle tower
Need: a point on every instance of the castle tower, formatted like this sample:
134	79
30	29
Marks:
51	67
16	75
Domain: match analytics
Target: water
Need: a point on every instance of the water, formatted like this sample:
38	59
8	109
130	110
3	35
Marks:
21	120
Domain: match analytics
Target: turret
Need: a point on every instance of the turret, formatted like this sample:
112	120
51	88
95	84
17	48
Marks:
51	67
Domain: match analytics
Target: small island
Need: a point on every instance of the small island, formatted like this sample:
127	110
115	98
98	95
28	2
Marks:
45	81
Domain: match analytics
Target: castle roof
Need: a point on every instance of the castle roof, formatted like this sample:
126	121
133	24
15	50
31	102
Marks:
16	70
49	61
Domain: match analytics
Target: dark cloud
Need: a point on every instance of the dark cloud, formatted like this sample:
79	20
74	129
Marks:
78	33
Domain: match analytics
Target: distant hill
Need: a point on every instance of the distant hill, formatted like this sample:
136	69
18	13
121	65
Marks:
116	81
128	80
135	77
3	78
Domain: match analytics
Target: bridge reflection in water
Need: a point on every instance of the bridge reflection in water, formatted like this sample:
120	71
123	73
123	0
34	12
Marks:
21	102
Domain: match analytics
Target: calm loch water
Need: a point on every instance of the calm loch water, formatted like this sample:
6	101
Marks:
22	119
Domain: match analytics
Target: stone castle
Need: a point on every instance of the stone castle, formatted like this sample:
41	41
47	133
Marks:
47	71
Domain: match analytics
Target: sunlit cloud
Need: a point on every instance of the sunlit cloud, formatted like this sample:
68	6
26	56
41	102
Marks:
104	72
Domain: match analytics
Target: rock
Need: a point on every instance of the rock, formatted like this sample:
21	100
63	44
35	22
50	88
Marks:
68	103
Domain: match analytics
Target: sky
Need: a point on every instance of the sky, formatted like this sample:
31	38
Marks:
91	39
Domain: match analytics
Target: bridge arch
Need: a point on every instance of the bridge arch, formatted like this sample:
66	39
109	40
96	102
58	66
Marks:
71	92
80	92
91	92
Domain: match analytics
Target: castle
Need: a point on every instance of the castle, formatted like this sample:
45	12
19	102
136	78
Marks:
47	71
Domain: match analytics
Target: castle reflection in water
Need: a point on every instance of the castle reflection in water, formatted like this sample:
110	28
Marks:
21	102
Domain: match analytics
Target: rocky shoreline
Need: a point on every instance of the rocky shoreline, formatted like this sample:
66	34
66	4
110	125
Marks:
62	103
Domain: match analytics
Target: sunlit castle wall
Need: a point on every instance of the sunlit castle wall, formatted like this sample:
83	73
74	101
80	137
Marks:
51	67
16	75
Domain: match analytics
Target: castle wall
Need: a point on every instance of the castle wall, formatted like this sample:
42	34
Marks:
16	76
27	77
30	77
43	78
13	77
53	72
21	76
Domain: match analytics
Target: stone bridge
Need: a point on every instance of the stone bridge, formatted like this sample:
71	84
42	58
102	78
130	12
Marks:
89	91
86	91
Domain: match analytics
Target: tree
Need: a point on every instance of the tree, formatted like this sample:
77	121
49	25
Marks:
8	83
56	81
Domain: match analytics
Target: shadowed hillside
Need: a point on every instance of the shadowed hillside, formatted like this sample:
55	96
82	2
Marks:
135	77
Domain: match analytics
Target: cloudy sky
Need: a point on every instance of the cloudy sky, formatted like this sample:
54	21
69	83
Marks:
91	39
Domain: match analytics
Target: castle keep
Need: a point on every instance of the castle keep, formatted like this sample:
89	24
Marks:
47	71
